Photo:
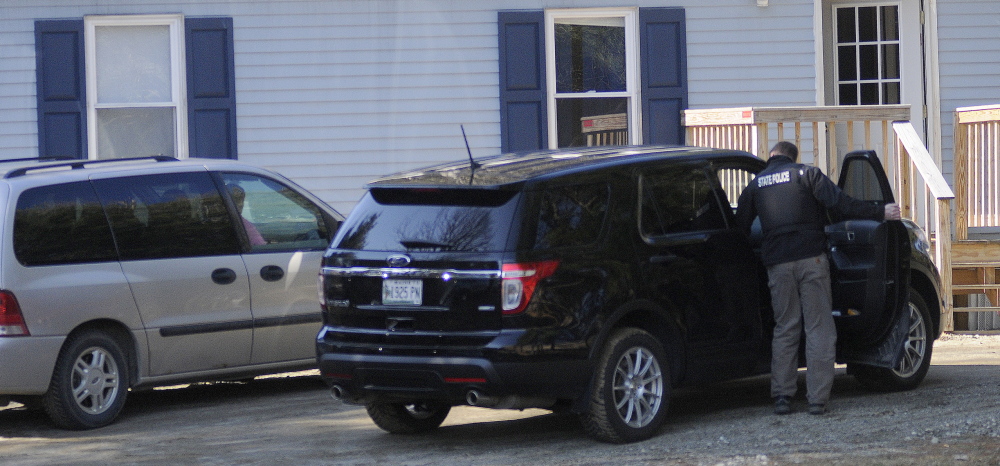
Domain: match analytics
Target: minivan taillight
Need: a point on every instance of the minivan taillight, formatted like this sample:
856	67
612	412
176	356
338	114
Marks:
519	281
11	321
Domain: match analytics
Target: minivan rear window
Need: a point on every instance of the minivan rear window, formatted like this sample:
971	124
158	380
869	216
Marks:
416	219
61	224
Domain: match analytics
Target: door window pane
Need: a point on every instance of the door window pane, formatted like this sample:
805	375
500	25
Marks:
133	64
868	61
275	217
679	200
61	224
135	132
169	215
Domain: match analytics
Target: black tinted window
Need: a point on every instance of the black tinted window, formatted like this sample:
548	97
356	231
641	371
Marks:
679	200
169	215
570	215
861	181
429	220
61	224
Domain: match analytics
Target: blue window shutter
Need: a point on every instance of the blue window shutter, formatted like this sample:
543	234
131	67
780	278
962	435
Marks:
523	123
60	88
663	54
211	87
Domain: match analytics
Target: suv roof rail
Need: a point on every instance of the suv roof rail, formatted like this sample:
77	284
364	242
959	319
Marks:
37	159
78	164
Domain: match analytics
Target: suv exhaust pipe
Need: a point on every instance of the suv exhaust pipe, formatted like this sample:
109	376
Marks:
338	392
476	398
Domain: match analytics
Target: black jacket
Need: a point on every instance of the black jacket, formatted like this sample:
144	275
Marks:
791	200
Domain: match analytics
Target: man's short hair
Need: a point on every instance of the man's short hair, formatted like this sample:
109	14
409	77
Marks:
785	148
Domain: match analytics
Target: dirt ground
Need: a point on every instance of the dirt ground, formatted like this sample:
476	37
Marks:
952	418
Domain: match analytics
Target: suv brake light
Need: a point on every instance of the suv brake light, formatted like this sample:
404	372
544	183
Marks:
11	321
518	283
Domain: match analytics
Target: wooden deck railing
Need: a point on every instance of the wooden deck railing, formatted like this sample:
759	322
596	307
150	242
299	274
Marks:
977	169
824	135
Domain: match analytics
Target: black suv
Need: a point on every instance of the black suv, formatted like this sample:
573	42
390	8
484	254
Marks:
595	280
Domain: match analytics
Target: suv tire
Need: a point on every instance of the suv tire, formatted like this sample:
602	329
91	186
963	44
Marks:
916	358
89	384
631	389
407	418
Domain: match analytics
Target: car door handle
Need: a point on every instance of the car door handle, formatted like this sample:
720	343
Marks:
271	273
223	276
663	258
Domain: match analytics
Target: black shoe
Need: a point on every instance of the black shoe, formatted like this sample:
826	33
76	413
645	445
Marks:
782	405
816	408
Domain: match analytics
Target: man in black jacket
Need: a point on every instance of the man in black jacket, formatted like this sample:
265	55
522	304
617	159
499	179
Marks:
791	200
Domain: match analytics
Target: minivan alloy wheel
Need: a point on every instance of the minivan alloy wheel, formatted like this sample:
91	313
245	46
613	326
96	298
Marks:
95	381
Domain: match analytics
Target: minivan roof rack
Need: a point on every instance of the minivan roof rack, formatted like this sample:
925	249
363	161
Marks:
79	164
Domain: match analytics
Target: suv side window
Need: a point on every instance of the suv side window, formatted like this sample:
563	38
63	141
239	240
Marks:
61	224
275	217
678	200
571	215
168	215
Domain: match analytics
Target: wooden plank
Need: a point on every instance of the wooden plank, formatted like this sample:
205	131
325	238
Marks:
832	113
975	252
961	157
929	170
980	114
718	116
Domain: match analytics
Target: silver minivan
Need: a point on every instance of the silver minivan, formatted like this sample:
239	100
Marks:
131	273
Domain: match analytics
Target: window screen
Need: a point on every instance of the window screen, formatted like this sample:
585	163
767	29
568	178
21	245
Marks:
61	224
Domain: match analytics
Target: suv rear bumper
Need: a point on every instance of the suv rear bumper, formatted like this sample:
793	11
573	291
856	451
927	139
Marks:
359	378
27	363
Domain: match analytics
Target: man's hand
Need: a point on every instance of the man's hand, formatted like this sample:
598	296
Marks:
892	211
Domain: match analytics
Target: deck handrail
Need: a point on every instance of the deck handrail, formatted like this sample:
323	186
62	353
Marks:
922	192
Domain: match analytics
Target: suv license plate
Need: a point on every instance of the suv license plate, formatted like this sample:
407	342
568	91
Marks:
402	292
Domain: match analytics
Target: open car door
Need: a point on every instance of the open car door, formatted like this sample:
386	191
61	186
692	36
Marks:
869	263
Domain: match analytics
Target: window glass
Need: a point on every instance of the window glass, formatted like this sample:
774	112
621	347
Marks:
168	215
274	216
570	215
390	219
591	62
733	181
861	181
868	61
134	63
61	224
679	200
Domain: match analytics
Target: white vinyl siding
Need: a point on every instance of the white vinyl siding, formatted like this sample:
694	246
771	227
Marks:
968	47
334	94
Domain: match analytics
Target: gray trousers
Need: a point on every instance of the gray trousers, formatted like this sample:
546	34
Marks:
801	298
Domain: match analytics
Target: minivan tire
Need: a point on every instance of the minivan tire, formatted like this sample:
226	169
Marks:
916	360
407	418
631	389
89	384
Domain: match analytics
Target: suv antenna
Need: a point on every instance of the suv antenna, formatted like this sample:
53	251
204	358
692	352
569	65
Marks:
472	163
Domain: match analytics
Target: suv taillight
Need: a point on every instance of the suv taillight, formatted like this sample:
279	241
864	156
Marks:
11	321
519	282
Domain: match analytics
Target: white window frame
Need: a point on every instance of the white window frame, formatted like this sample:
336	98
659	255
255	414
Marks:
178	77
632	88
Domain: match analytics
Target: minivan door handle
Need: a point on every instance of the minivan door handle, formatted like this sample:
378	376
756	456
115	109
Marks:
271	273
223	276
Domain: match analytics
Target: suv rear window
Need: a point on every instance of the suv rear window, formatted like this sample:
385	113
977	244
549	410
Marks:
396	219
571	215
61	224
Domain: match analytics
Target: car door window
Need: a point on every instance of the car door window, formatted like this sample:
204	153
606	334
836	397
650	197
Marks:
168	215
61	224
860	181
274	216
679	200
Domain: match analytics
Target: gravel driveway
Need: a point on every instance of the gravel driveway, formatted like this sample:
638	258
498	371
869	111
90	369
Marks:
952	418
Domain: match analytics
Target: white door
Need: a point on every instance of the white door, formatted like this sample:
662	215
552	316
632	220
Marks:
874	55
